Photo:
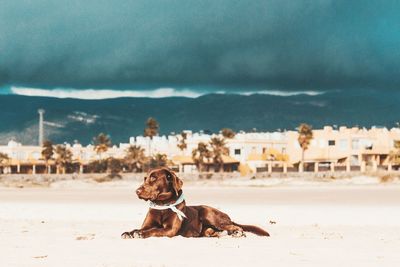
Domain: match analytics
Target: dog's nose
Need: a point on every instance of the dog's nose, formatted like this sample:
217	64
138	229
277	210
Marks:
139	190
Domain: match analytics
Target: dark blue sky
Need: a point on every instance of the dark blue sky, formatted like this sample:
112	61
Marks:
229	44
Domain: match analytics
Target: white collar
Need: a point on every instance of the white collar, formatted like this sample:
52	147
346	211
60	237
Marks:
172	206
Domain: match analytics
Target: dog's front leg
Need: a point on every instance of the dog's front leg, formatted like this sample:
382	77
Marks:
169	229
148	223
158	232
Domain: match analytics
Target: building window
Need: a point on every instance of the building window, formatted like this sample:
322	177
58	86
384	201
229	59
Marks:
331	142
343	144
21	156
366	143
355	143
237	151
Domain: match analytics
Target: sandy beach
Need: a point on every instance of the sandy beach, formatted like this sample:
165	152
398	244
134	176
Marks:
79	224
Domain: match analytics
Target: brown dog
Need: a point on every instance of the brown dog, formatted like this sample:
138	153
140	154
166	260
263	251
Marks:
169	216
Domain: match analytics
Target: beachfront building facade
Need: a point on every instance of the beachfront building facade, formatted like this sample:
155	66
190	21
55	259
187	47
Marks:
331	149
29	159
345	148
249	150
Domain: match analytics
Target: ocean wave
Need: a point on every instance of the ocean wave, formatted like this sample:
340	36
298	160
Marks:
103	93
96	94
283	93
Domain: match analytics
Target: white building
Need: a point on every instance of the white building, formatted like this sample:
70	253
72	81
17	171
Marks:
336	149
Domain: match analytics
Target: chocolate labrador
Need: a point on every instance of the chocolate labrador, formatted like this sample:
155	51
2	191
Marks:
169	216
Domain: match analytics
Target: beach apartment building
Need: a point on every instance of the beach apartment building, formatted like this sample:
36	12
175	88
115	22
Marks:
331	149
345	148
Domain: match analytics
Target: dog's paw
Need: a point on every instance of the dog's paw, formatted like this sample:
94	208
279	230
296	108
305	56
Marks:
223	233
126	235
137	234
238	233
132	234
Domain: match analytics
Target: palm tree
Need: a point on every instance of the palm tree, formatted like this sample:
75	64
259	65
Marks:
158	160
228	133
305	136
135	158
219	149
97	166
63	157
114	167
4	160
394	155
182	142
151	130
200	155
101	144
47	152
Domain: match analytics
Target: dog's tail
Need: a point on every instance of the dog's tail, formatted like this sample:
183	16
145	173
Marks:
253	229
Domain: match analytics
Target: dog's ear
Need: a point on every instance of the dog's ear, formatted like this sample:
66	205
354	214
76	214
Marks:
175	181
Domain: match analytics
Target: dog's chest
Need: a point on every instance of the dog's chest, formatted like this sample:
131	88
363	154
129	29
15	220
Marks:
191	226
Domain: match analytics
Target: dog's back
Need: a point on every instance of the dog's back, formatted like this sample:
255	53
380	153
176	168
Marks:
219	221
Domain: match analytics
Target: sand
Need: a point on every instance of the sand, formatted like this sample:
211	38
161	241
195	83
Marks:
76	224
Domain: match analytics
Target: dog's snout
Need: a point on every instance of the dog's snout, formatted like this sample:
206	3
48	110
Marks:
139	190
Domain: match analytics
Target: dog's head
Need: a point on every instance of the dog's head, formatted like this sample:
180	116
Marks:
160	185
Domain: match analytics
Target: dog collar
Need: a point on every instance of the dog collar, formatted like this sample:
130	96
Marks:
180	214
